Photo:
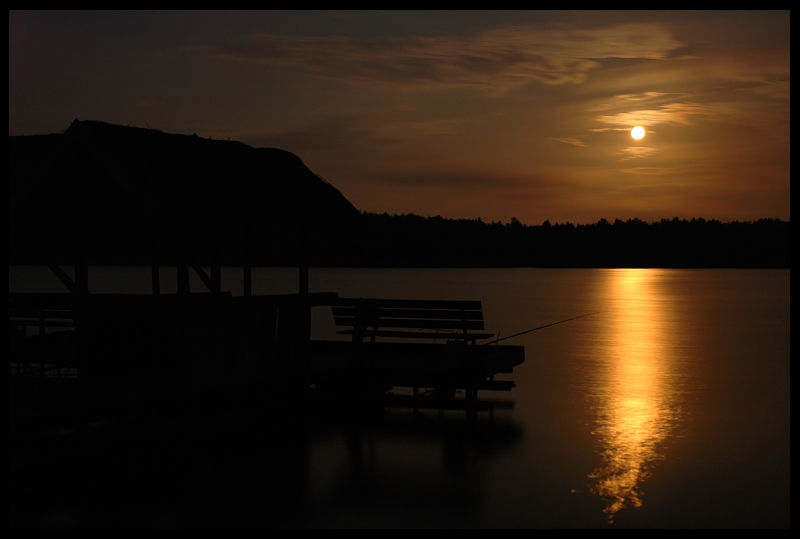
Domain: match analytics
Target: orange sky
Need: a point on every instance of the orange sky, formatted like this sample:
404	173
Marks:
467	115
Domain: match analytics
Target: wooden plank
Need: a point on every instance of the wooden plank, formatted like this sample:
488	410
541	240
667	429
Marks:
216	278
413	303
303	278
436	314
204	277
82	276
46	323
64	301
314	299
38	313
63	277
422	324
183	278
247	272
155	278
459	336
495	385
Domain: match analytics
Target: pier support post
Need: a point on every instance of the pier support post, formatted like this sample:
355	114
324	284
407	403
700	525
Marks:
82	277
303	278
247	270
81	267
155	278
216	278
183	277
154	269
471	404
183	271
216	275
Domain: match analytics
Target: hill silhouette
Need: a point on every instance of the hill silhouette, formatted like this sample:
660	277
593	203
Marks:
123	191
113	194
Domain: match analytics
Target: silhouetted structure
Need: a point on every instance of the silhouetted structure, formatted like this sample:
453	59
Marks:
101	193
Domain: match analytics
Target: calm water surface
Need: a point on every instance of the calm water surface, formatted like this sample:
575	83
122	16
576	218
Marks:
667	407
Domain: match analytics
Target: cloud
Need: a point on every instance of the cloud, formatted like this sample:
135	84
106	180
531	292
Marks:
573	141
672	114
348	130
640	99
659	171
493	183
636	152
641	96
500	58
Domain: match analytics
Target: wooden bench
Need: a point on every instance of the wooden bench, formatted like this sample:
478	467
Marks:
41	311
444	320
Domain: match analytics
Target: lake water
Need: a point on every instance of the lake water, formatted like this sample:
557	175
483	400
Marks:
666	407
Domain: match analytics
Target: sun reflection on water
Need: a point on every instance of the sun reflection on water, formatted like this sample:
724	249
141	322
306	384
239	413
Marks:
634	394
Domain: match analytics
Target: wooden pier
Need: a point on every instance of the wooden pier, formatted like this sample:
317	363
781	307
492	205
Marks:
170	343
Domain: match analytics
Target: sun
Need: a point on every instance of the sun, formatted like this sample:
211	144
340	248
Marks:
637	132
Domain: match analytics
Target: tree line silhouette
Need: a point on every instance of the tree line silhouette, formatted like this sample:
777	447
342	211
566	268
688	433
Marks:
410	240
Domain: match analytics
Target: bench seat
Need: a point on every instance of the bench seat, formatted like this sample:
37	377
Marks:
418	335
447	320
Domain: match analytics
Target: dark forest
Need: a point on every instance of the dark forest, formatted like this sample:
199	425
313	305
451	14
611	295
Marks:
410	240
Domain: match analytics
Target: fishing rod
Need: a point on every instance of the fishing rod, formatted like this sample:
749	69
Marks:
540	327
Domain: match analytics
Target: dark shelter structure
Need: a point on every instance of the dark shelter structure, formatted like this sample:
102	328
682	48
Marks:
109	194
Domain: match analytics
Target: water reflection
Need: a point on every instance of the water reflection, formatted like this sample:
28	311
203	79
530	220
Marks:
634	393
420	469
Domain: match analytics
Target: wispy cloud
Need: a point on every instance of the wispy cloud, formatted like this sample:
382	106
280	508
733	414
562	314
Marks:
671	114
348	130
573	141
636	152
649	99
500	58
659	171
640	97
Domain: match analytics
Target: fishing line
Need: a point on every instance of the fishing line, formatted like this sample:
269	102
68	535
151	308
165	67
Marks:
534	329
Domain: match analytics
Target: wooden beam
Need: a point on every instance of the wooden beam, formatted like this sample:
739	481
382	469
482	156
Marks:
82	277
304	280
63	277
216	279
216	270
247	270
413	303
248	280
183	278
156	279
81	265
154	268
204	277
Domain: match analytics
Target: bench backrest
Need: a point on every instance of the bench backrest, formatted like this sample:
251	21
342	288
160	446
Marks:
396	318
41	311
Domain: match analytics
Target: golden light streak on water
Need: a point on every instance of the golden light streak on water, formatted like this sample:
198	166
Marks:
634	394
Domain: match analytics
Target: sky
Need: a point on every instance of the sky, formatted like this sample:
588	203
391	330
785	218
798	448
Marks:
459	114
